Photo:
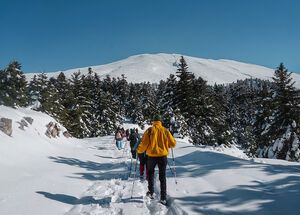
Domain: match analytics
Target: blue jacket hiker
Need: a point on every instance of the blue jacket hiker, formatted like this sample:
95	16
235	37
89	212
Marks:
133	138
119	138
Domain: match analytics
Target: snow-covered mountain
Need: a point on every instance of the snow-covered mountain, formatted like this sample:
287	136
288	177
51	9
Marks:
156	67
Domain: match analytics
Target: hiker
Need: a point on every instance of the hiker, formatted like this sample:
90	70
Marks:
124	139
133	140
119	138
127	134
156	142
142	158
123	132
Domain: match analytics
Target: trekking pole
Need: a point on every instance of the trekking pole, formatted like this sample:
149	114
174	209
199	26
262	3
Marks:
124	149
170	169
173	173
134	178
130	168
174	169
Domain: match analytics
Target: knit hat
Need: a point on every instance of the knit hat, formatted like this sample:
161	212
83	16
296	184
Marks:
156	117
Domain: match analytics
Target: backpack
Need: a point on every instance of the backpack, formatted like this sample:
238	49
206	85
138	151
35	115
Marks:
132	138
118	135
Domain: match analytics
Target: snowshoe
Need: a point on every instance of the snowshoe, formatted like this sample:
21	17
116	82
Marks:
163	202
142	178
150	195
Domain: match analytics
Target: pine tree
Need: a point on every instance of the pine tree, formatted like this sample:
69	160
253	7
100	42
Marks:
263	119
33	91
108	111
241	114
3	81
202	114
184	88
14	86
122	92
148	102
166	100
134	105
76	126
88	84
62	98
284	130
37	91
108	115
95	106
52	102
220	122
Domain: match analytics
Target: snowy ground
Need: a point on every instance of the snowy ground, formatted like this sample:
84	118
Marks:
68	176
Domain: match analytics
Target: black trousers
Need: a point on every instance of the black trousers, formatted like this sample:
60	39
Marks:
133	154
142	158
162	165
143	162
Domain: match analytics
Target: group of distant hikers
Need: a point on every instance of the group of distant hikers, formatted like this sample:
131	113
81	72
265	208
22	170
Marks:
152	149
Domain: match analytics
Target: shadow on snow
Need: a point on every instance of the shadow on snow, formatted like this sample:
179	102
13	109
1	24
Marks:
199	163
95	171
269	198
87	200
273	197
71	200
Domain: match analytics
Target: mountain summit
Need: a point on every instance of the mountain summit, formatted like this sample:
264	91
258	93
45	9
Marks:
156	67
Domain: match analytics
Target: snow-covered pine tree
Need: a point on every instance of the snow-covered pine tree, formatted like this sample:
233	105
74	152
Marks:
57	99
108	107
2	86
201	114
184	98
284	130
219	108
52	103
166	97
95	98
134	105
122	92
241	114
88	87
33	92
14	86
107	114
37	91
184	88
76	125
263	119
148	102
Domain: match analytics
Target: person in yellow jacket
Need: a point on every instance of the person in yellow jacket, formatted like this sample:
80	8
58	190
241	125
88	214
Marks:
156	142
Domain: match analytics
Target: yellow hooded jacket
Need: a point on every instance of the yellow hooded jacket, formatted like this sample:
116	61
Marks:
156	141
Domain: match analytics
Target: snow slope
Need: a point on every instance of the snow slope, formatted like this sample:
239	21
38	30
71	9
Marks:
156	67
90	176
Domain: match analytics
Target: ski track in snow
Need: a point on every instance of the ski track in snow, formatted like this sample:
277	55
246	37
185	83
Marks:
113	196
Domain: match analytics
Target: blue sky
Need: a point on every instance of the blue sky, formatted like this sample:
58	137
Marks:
53	35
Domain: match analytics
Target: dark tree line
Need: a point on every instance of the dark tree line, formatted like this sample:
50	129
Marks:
261	116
